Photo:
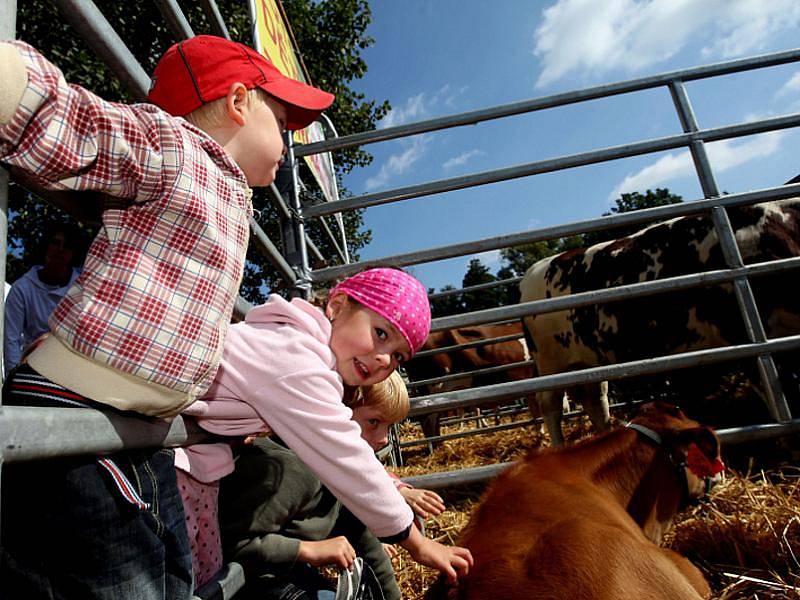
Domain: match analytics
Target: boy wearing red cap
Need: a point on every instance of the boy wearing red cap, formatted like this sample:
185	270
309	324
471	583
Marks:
142	328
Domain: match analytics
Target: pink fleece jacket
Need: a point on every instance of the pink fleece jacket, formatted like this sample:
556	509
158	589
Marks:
278	374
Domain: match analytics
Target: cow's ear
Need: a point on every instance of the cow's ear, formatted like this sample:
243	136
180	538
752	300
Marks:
698	448
703	437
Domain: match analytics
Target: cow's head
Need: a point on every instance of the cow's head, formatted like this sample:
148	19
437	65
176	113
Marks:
693	449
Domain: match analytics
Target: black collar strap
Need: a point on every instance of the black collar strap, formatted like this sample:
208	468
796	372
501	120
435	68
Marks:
680	467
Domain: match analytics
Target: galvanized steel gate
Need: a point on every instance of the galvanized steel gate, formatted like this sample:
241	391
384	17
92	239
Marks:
694	138
31	433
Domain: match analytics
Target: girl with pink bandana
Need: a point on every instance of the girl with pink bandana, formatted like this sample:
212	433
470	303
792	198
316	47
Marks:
284	370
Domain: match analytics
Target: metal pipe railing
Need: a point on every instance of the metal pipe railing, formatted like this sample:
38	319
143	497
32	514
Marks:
515	389
176	20
474	288
465	346
334	242
613	294
563	99
32	433
215	19
638	217
776	401
93	27
551	165
476	373
728	437
271	252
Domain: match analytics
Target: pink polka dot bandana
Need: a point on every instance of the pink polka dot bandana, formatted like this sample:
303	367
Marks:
396	296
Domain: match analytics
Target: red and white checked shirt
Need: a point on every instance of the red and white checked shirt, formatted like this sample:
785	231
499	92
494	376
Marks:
161	278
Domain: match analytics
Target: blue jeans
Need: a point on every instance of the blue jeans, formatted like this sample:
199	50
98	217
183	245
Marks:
68	533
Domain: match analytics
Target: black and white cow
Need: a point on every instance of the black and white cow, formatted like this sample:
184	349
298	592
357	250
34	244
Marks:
663	324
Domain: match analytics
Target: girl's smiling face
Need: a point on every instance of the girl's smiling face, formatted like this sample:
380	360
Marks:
366	345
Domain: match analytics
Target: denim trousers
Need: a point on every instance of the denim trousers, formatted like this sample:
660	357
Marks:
68	533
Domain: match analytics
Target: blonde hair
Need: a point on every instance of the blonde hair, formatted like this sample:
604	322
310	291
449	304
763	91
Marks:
390	397
214	113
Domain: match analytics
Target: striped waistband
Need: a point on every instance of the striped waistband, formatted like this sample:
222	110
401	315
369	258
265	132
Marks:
26	387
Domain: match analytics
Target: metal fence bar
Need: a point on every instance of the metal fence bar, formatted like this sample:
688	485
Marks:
476	343
515	389
93	27
312	248
728	437
327	123
215	18
776	401
573	97
462	434
613	294
294	233
279	203
474	288
501	411
176	20
271	252
476	373
333	239
550	165
8	31
32	433
637	217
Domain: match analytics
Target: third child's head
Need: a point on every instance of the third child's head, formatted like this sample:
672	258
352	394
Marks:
238	97
378	407
379	319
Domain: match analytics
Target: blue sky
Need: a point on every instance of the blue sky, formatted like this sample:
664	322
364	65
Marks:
434	58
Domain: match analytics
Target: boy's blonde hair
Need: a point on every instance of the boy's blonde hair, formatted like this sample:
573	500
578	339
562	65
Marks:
390	397
215	113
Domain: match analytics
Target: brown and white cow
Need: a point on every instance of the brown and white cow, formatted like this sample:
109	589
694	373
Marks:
585	521
663	324
464	360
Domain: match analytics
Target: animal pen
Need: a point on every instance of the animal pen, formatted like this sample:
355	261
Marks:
41	433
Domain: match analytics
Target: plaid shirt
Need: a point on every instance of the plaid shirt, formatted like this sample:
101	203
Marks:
160	280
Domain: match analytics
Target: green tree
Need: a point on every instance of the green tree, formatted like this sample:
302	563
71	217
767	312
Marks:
446	305
332	37
627	203
478	273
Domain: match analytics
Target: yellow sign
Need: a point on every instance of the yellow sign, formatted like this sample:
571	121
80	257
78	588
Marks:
274	41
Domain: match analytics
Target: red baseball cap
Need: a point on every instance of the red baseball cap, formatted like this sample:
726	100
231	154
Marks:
201	69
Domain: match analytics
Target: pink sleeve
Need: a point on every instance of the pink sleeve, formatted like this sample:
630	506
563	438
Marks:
305	409
399	483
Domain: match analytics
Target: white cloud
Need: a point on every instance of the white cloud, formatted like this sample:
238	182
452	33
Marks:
412	110
421	106
462	159
586	36
398	164
724	155
791	86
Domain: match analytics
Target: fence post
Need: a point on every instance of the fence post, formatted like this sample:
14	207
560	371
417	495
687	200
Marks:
776	400
293	228
8	31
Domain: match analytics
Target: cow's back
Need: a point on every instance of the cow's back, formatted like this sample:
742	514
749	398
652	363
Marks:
666	323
